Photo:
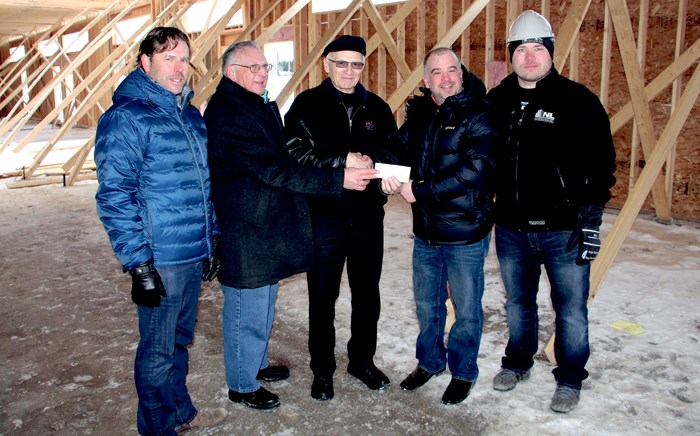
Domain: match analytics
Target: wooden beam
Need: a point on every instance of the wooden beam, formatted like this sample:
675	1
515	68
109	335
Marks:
403	91
490	39
660	82
675	95
316	52
569	31
641	55
207	85
31	80
212	35
80	160
59	4
635	82
385	35
465	42
20	119
281	21
398	18
104	85
647	178
606	58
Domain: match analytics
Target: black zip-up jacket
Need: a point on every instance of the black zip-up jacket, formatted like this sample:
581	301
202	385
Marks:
321	132
451	153
556	156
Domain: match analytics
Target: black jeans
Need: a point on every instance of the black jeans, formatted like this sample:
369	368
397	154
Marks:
360	241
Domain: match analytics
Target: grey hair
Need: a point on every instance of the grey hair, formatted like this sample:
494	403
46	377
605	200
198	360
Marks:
232	51
438	51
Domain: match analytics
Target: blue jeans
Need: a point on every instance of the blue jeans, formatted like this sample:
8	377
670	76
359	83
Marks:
161	363
521	256
463	267
247	323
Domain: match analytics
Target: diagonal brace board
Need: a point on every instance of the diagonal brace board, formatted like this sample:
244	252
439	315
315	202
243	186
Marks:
403	91
639	192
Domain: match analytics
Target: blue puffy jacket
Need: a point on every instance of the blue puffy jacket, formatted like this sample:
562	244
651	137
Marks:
154	192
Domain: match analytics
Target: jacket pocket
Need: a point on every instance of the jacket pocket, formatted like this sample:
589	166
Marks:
262	209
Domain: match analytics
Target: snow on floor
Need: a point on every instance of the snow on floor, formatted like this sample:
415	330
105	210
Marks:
68	334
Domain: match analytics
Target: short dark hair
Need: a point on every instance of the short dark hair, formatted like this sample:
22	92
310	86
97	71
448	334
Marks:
161	39
438	51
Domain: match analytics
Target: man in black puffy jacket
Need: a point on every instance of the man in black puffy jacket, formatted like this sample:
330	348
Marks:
555	170
335	125
449	140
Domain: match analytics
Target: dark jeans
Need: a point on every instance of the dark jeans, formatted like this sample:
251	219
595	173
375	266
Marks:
161	363
463	267
521	256
360	241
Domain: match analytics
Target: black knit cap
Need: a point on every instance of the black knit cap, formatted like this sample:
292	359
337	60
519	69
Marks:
346	43
548	43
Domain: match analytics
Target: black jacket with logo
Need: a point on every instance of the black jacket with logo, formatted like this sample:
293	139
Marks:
555	156
451	153
320	132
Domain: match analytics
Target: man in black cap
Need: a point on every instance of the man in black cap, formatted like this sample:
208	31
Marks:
341	124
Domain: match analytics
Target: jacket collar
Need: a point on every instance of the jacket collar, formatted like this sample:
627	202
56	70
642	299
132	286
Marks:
233	89
357	97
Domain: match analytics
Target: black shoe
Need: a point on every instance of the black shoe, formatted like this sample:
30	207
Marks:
261	399
273	373
322	388
457	391
371	376
418	378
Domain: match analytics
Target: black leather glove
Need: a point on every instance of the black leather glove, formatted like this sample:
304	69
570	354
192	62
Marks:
146	285
586	234
211	266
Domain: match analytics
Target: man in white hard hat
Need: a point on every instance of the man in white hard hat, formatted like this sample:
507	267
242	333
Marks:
556	166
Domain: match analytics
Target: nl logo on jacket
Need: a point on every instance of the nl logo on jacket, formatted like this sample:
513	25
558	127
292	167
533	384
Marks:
545	117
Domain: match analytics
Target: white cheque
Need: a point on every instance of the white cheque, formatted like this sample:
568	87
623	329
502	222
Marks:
386	170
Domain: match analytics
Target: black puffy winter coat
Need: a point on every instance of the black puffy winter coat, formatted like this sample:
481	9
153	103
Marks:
556	156
451	154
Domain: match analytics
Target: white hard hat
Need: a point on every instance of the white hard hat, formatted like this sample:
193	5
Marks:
530	26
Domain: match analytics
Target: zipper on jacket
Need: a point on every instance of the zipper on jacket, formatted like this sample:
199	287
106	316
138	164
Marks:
193	142
517	150
563	186
351	115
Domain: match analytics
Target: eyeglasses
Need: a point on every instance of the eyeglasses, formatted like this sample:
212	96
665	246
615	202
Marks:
256	67
344	64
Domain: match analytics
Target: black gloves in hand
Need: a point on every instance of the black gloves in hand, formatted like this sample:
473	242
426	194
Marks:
586	234
211	266
589	246
146	285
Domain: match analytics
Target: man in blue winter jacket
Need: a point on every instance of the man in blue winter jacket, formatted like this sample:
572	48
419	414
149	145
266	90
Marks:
154	201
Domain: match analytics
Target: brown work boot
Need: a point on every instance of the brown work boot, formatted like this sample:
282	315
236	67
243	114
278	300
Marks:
205	418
